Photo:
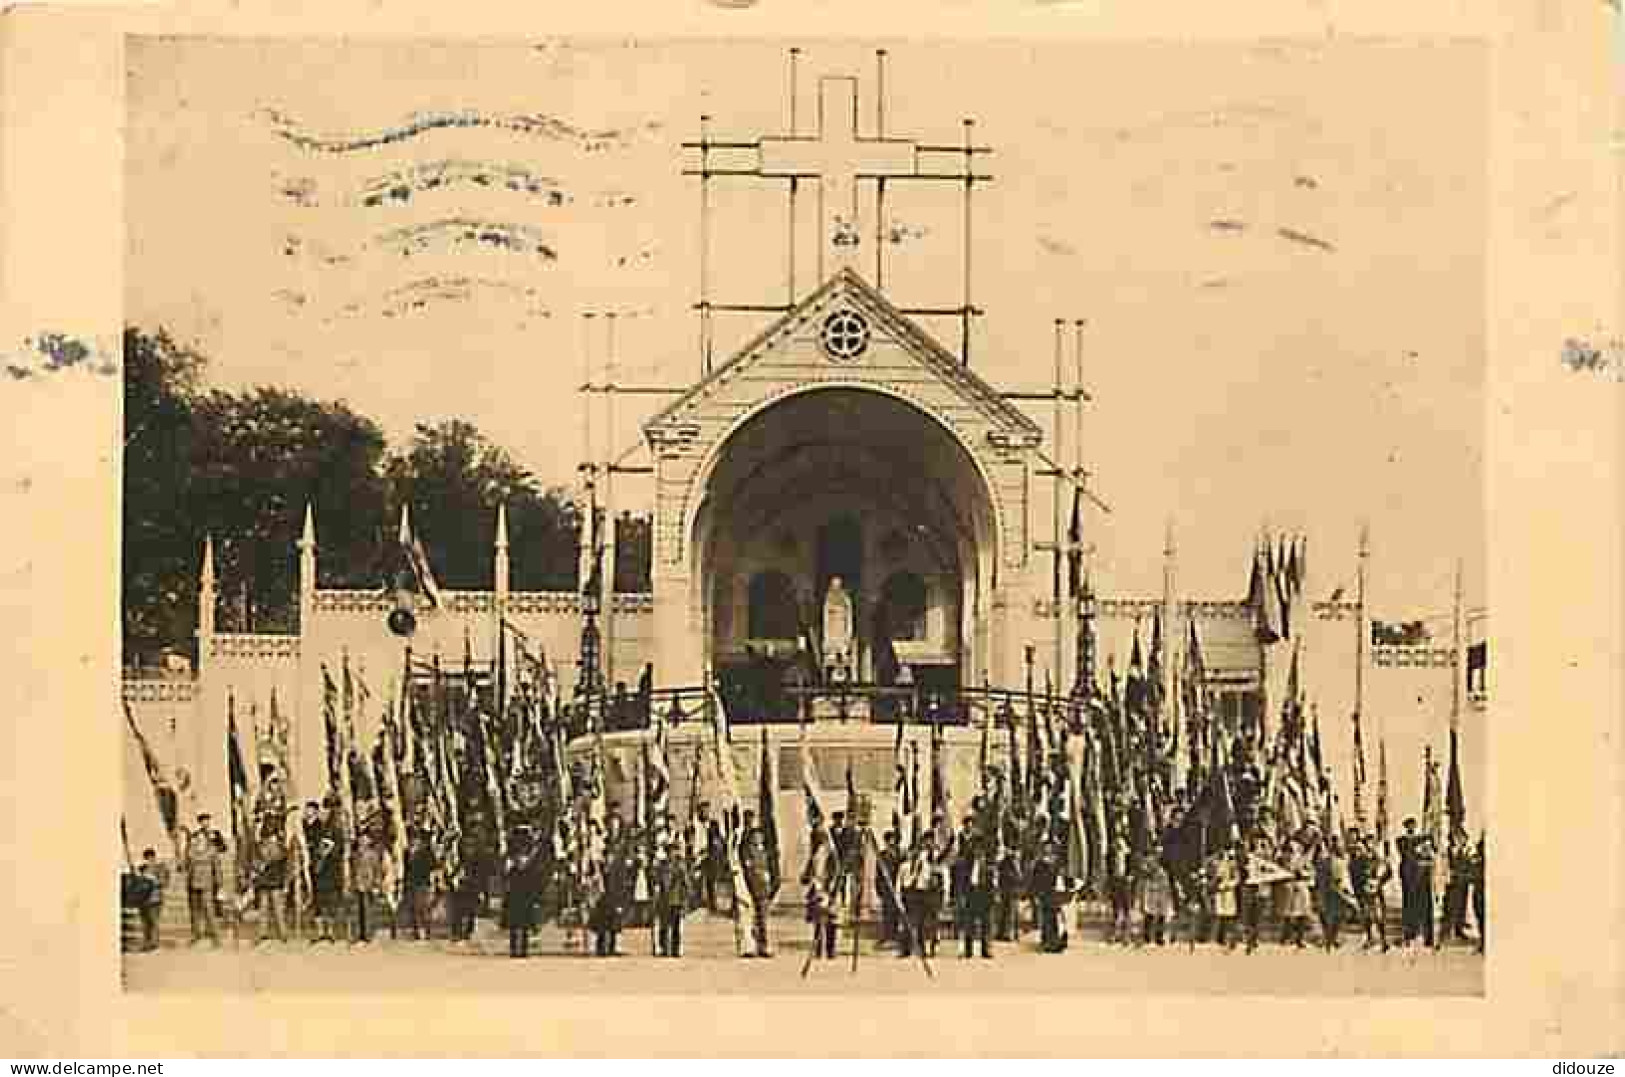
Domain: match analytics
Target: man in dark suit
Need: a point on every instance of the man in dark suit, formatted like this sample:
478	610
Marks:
714	858
1416	883
524	889
886	890
610	907
1046	873
976	869
670	895
758	873
1009	899
202	871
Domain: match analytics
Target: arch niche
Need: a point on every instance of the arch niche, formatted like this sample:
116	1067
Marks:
847	481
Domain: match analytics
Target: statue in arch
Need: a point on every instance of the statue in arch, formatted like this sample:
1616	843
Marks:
838	618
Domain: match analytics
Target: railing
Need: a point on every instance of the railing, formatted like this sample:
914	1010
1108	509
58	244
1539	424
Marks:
858	703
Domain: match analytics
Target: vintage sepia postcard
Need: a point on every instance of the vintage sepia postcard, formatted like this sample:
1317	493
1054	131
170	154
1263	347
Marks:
753	515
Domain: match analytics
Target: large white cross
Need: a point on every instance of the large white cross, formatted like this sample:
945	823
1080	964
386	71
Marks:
837	158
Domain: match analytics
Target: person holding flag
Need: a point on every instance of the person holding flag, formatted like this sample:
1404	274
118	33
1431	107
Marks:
821	878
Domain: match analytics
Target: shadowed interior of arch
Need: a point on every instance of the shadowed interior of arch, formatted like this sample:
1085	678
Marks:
848	485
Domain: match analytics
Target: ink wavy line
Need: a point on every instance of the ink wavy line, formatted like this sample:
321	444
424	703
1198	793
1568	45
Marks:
534	124
464	231
429	291
402	185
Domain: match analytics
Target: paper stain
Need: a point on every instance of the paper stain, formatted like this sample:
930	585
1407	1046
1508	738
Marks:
54	352
1304	238
1550	208
1056	246
1583	357
1227	226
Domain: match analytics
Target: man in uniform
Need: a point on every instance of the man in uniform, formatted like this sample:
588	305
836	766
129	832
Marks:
1478	892
369	876
1415	891
821	878
157	875
891	861
714	860
1009	900
918	881
976	869
1046	874
417	882
202	870
610	908
271	878
671	895
759	882
524	889
1460	859
1368	872
324	834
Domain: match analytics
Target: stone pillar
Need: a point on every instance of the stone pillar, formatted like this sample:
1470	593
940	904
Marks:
305	731
207	768
679	655
499	598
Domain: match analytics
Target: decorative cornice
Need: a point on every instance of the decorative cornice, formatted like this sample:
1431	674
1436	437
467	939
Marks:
470	601
1402	656
1340	610
351	601
1126	607
674	438
159	691
1221	610
255	645
543	602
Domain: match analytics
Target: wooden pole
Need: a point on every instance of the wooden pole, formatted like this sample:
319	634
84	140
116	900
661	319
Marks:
965	312
1458	665
790	275
1057	514
607	602
705	245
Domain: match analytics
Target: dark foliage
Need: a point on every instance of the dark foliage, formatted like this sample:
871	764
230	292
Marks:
242	466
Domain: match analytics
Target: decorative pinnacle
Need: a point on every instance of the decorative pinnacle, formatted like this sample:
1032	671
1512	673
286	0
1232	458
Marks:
404	534
206	573
502	526
307	538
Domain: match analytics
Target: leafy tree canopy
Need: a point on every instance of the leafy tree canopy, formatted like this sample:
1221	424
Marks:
241	466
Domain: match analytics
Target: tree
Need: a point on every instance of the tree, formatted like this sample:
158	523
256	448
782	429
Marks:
160	545
242	466
258	458
634	550
454	478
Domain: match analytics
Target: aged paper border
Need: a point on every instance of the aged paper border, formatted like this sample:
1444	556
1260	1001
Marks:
1553	981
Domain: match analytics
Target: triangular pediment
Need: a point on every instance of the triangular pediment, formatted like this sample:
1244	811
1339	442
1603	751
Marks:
846	332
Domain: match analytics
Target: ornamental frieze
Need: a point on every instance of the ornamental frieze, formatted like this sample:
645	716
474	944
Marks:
255	646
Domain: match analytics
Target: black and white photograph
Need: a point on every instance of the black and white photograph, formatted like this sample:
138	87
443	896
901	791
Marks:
828	515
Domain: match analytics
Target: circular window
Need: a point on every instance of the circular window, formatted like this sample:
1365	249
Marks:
845	335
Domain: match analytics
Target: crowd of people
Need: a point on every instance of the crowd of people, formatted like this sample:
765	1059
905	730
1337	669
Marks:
1115	812
1001	873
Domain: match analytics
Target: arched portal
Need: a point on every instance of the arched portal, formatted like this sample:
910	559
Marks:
844	490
